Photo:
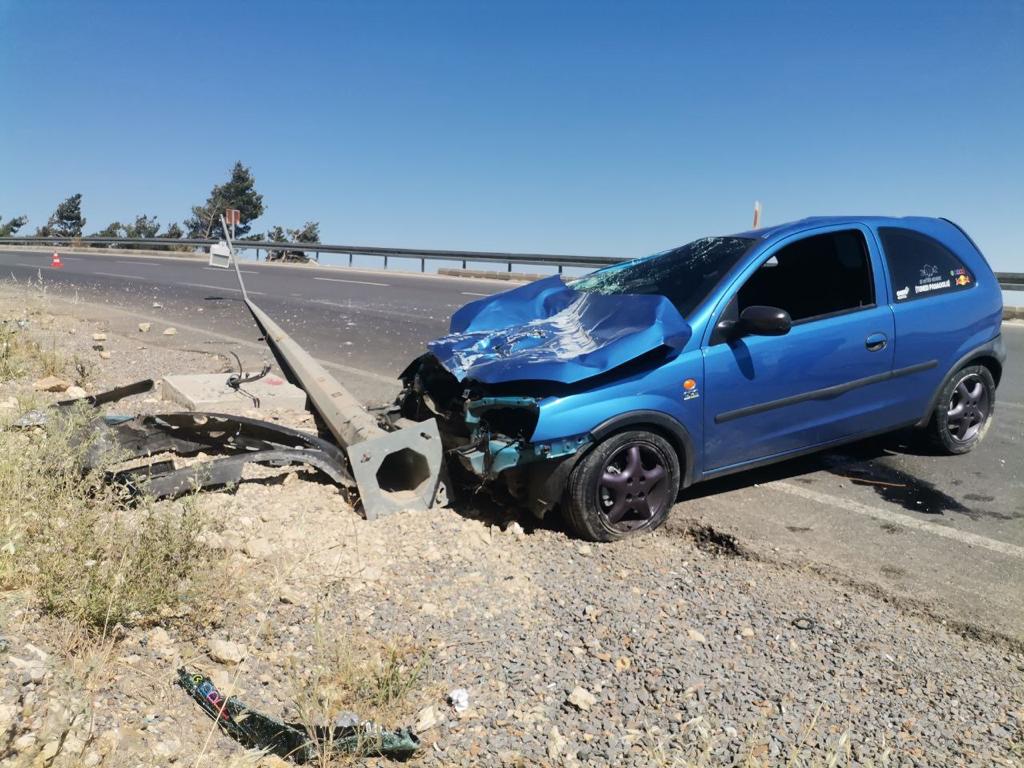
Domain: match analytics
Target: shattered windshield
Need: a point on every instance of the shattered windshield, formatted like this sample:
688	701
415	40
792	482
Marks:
683	275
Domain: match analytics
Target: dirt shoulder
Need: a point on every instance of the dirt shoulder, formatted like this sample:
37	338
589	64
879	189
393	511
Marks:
671	650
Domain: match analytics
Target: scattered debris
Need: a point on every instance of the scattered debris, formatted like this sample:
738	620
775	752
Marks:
459	699
105	354
170	331
144	327
99	337
696	636
804	622
75	393
255	730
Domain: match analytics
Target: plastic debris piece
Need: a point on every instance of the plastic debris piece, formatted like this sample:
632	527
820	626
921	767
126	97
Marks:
459	699
255	730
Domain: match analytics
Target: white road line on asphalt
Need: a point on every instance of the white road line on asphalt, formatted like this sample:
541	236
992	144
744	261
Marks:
470	293
40	265
140	263
359	282
964	537
123	277
221	288
243	271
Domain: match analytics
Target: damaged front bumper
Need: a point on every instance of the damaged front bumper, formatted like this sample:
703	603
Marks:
491	450
488	436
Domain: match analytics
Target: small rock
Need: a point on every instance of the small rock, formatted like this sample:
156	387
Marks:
51	384
581	698
289	596
158	637
622	663
258	549
75	392
426	719
23	743
747	632
144	327
516	530
696	636
226	652
99	337
170	331
157	305
556	743
105	355
8	714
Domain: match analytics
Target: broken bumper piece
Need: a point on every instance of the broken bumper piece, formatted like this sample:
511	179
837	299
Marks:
247	441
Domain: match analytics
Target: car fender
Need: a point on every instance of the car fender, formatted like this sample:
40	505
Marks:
677	434
994	349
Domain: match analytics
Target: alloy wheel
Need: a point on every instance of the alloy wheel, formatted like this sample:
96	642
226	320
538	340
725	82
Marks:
633	489
968	409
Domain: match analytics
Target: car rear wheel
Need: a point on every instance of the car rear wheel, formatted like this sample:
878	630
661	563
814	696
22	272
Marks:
964	411
624	486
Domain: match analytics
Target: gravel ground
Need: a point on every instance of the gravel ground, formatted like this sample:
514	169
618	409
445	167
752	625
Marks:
671	650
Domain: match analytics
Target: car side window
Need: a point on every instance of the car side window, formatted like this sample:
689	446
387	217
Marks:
815	277
921	266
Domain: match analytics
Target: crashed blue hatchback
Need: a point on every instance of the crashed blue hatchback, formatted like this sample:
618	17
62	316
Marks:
606	395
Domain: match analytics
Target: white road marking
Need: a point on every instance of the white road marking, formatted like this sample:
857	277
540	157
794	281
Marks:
40	265
470	293
221	288
140	263
964	537
359	282
243	271
120	277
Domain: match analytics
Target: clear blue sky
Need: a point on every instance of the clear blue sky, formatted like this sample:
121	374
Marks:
606	128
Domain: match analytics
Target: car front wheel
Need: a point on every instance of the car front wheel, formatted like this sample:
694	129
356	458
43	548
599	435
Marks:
964	411
624	486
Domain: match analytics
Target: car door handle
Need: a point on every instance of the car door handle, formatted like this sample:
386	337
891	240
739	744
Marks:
876	342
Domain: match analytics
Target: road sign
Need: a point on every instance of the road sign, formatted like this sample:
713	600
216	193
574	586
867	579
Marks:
233	216
220	255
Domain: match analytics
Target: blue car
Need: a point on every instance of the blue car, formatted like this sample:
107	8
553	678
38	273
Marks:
607	394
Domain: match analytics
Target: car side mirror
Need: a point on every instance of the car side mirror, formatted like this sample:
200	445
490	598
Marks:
765	321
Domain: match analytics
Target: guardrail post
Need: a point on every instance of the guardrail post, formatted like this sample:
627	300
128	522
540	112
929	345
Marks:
350	259
463	263
560	268
385	262
510	266
423	264
317	257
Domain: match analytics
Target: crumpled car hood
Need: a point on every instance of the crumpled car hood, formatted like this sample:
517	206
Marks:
547	331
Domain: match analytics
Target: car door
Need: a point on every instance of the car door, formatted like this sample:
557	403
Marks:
824	380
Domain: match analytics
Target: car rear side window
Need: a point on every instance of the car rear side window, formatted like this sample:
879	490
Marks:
814	277
921	266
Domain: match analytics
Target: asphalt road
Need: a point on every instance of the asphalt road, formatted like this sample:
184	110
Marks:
944	534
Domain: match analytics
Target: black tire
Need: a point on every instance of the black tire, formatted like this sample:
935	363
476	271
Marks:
964	410
645	469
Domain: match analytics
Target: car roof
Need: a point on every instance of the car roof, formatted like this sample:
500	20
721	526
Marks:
812	222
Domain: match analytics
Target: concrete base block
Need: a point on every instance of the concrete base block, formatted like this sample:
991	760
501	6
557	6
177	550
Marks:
210	392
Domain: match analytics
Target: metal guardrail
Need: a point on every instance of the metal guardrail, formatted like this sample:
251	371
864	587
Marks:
1010	281
557	260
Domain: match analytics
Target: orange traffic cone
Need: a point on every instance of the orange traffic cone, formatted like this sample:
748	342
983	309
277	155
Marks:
55	262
